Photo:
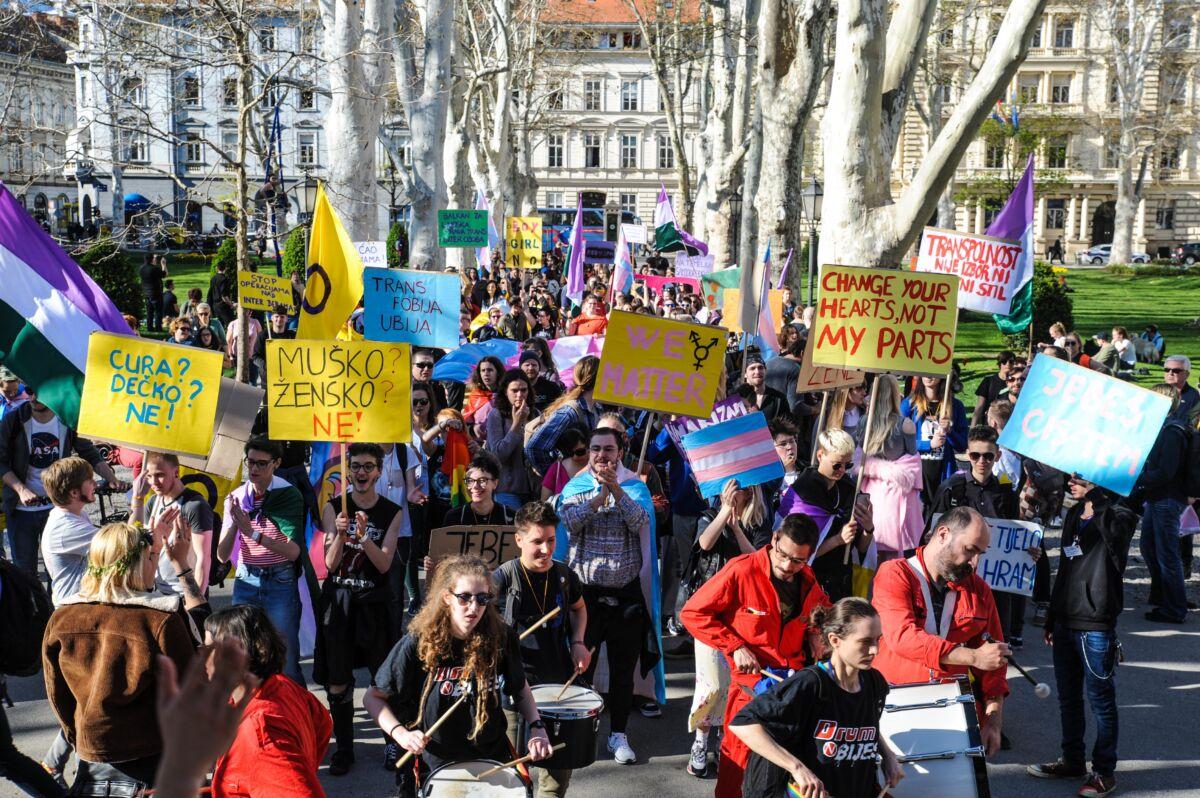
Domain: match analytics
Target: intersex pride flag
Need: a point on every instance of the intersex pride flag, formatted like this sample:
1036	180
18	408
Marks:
740	448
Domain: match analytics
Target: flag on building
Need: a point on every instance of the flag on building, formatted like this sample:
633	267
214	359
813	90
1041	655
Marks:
49	307
1015	221
668	235
741	448
622	278
335	275
766	336
576	280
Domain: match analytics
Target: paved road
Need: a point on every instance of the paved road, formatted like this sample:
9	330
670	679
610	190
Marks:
1159	697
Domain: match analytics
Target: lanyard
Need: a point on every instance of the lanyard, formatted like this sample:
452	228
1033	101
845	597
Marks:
938	629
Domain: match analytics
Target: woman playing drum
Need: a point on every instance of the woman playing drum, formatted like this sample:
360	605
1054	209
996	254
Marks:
457	643
820	727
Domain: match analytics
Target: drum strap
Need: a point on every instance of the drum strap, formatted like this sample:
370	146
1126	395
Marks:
942	628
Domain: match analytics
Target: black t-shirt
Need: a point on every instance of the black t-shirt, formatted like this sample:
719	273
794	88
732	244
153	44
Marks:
355	571
990	389
833	732
465	516
544	392
402	677
546	654
152	279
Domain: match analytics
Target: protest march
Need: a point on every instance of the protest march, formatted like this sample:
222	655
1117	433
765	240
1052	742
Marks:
488	517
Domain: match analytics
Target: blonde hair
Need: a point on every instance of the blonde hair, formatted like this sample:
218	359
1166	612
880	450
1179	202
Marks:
836	442
885	414
114	562
1170	392
836	416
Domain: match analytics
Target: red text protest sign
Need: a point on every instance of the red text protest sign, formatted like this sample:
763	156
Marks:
989	270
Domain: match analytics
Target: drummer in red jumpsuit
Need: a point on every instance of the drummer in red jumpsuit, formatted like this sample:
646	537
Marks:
755	611
919	645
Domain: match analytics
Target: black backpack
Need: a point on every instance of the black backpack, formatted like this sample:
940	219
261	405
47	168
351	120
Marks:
25	609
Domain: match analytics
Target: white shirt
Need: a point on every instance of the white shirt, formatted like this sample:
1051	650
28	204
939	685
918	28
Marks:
393	486
65	543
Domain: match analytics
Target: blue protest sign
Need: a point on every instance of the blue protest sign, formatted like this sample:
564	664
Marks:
411	307
1083	422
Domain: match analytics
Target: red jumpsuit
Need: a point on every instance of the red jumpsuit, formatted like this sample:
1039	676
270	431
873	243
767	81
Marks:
739	607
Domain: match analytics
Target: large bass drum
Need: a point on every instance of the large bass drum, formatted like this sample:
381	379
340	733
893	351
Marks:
462	780
573	719
934	732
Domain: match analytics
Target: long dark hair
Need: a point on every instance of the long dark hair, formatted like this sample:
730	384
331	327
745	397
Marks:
249	625
500	397
475	382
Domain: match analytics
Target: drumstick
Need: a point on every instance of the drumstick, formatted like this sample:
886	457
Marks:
770	675
540	621
518	761
437	724
574	676
1040	689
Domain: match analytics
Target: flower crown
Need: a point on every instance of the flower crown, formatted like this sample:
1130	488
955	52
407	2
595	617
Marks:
144	541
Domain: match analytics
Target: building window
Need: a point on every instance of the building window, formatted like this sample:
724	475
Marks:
1174	86
554	199
629	151
629	203
229	92
1056	214
993	154
631	40
1178	35
266	39
133	90
629	95
16	157
666	155
554	97
591	150
1064	32
306	149
229	143
1035	39
1114	90
308	99
1060	89
554	150
193	150
1168	154
1056	152
592	93
1164	215
1027	88
135	146
608	41
1112	151
190	91
308	37
945	37
270	95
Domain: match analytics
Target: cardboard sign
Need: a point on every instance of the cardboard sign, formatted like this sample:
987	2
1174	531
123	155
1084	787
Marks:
661	365
722	411
338	391
731	311
462	228
1083	422
373	253
693	265
524	238
411	307
717	283
988	268
1007	564
493	544
213	488
634	233
148	394
262	291
822	378
237	407
885	320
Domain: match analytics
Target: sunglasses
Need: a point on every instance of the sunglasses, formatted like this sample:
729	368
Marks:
987	457
579	452
1016	377
840	466
465	599
424	364
1070	343
367	467
420	402
1174	371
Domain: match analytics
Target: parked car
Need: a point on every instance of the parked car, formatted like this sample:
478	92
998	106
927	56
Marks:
1098	256
1186	253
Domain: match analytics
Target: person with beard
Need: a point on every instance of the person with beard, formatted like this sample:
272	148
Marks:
938	615
353	611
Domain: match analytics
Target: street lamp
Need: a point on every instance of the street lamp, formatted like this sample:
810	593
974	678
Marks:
735	209
306	197
810	206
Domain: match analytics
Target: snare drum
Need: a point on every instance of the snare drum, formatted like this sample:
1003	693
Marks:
574	719
461	780
934	732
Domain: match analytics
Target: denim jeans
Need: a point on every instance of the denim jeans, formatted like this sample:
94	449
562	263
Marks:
1087	662
274	588
510	500
25	534
1160	550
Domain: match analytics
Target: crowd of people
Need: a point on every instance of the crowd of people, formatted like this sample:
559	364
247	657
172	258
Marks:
757	586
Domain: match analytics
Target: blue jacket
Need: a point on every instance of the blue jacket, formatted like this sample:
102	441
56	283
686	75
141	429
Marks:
956	441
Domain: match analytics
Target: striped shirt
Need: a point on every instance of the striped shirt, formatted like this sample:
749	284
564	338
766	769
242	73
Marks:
257	554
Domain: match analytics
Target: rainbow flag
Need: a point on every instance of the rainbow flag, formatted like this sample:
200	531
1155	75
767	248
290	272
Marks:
740	448
49	307
454	466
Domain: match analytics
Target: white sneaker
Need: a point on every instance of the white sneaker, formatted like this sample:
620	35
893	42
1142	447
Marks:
698	760
618	746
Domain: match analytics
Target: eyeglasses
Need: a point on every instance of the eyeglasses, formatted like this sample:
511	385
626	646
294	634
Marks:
987	457
465	599
1174	371
252	463
424	364
1070	343
478	483
789	558
367	467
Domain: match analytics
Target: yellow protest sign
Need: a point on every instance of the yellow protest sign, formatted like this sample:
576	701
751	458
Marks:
261	291
148	394
524	238
334	282
885	320
338	391
661	365
212	487
731	312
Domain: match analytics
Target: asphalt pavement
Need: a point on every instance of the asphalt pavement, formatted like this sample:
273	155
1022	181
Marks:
1158	695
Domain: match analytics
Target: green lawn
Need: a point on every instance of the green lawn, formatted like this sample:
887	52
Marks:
1101	300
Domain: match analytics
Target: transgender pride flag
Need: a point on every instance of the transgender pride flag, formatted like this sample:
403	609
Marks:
622	277
48	309
740	448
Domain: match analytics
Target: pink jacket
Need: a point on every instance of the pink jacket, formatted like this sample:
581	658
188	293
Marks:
895	490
